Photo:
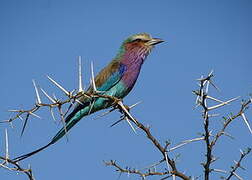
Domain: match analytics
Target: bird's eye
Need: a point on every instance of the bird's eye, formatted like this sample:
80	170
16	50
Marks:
137	40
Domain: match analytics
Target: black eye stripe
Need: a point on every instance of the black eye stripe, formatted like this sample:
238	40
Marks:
138	40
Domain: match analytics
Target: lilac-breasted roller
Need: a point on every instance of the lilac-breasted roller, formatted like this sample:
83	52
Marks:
116	79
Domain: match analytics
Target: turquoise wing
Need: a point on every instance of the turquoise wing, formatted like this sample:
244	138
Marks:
83	109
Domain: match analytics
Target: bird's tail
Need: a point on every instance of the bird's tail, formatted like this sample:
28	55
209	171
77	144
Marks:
70	121
20	158
59	135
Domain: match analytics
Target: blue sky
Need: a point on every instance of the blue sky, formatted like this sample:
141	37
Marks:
45	37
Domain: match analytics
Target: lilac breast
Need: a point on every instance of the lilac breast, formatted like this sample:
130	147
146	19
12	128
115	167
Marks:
133	61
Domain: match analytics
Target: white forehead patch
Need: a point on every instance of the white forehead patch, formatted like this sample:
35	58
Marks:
142	36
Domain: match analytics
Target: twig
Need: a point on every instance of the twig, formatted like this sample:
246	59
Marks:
238	164
17	168
229	120
135	171
162	149
202	97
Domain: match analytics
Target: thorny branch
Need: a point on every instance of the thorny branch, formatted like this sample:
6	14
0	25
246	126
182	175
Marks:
171	170
203	103
210	139
157	144
73	97
229	120
6	161
135	171
16	167
238	164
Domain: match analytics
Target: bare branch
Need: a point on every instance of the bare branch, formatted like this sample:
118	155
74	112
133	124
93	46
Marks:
135	171
17	168
201	99
238	165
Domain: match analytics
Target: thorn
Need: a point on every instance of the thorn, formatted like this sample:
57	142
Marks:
214	99
91	107
220	171
213	115
197	105
80	76
104	114
35	115
59	86
224	103
173	177
130	125
218	89
211	73
208	78
36	90
200	79
166	160
72	92
186	142
63	122
29	166
126	111
92	77
25	123
14	110
4	121
55	98
11	125
20	117
237	176
246	122
242	167
50	98
241	151
78	101
207	86
6	145
133	105
197	100
116	122
178	146
228	135
195	139
51	111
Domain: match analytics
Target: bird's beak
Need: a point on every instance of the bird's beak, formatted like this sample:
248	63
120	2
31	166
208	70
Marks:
155	41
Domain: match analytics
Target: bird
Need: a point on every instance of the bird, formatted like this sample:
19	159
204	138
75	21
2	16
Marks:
117	79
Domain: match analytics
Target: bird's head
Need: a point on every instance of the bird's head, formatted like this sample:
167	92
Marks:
142	39
141	43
